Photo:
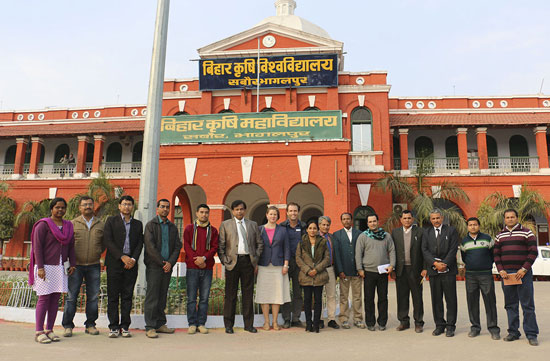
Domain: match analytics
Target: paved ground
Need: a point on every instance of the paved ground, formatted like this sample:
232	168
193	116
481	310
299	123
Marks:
16	341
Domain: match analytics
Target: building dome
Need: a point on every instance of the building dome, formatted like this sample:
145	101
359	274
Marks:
285	17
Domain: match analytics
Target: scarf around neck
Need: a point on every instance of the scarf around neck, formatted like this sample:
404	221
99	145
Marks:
379	234
64	236
206	225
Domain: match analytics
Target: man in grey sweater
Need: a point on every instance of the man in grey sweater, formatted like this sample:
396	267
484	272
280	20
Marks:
375	259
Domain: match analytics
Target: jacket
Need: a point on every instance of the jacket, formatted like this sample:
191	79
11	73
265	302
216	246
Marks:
47	249
417	258
344	252
88	244
446	250
276	252
294	235
114	234
229	242
152	239
306	261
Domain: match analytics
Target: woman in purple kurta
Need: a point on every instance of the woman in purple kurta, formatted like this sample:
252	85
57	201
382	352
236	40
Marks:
52	260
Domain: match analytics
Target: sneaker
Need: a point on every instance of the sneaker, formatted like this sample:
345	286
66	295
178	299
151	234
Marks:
192	330
165	329
533	341
114	333
203	329
345	325
382	328
359	324
68	332
92	330
333	324
126	333
151	333
371	328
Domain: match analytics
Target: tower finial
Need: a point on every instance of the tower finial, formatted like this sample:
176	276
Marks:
285	7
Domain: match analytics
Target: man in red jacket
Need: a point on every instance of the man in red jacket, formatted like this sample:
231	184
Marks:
200	241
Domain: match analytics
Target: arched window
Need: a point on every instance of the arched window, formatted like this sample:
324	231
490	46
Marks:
423	147
396	153
90	153
268	110
226	111
28	153
492	152
60	151
451	152
361	129
137	151
519	154
114	153
9	158
360	217
181	113
309	109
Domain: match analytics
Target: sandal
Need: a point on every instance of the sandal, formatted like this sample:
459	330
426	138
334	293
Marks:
276	327
52	336
42	338
266	326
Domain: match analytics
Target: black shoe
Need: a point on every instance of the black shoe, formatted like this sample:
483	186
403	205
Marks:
402	327
309	327
286	324
437	332
418	328
371	328
510	338
495	336
322	324
229	330
382	328
296	323
333	324
533	341
316	330
450	333
251	329
473	333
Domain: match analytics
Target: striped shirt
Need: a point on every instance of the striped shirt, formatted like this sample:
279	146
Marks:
515	249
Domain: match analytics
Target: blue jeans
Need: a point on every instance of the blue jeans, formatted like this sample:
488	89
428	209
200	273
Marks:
524	294
91	276
198	280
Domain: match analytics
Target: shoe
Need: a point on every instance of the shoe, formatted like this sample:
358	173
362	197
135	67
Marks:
203	329
322	323
437	332
192	330
266	326
418	328
473	333
165	329
229	330
68	332
42	338
126	333
92	330
114	333
509	338
371	328
333	324
276	327
449	333
296	323
345	325
402	327
495	336
359	324
382	328
251	329
151	333
286	324
52	336
533	341
309	327
316	329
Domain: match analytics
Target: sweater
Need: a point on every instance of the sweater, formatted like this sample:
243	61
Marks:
201	246
477	254
515	249
371	253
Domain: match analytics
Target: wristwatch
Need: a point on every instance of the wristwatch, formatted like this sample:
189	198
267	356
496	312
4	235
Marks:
524	269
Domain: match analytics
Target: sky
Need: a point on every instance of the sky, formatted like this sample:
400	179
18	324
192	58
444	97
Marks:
67	53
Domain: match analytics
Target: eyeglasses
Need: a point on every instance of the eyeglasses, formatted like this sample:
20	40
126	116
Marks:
126	204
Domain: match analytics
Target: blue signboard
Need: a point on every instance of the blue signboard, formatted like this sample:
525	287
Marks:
275	72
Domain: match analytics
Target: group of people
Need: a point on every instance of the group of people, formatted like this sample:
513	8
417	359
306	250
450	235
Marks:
287	259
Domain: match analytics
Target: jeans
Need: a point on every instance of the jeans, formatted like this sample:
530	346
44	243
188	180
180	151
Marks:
524	294
91	276
198	280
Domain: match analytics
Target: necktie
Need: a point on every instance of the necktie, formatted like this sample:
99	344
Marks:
437	238
243	232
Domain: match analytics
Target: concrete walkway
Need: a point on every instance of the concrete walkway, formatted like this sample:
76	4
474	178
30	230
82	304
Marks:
16	341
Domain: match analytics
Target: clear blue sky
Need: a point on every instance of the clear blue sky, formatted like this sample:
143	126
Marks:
72	53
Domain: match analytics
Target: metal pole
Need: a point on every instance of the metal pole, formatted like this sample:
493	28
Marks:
151	134
258	81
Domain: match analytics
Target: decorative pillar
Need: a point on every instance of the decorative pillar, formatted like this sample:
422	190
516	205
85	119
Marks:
404	148
36	153
19	157
542	148
81	156
461	134
99	141
216	213
482	149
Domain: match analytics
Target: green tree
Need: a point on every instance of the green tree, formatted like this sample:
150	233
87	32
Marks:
32	212
422	198
530	203
7	217
104	195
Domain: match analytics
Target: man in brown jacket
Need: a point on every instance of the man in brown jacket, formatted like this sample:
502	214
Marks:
88	245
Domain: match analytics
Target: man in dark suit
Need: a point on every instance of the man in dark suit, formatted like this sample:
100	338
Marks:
123	237
240	247
345	241
409	271
162	249
439	247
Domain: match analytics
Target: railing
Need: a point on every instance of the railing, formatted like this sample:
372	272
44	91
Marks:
56	170
435	165
365	162
6	169
473	162
513	164
89	166
397	163
126	168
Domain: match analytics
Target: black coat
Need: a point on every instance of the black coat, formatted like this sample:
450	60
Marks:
153	243
447	250
114	235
